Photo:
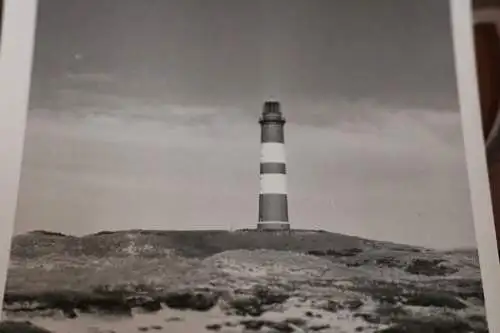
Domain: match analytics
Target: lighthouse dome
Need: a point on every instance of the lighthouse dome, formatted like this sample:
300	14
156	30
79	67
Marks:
272	112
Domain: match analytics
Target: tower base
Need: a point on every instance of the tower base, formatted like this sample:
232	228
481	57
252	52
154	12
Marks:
271	226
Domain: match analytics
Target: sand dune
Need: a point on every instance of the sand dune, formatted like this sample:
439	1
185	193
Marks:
203	281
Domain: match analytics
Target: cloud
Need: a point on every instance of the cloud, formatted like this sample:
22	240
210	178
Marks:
79	103
90	77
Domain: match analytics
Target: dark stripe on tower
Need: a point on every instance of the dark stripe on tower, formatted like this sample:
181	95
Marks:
273	168
272	132
273	207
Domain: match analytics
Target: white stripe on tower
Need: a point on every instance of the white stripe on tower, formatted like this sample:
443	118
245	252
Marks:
272	183
273	202
272	152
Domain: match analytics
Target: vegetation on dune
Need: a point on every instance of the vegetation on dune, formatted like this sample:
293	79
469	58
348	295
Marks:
112	303
420	294
429	267
197	244
434	324
8	326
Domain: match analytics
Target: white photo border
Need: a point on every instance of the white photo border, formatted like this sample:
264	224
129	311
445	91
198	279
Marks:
19	20
462	21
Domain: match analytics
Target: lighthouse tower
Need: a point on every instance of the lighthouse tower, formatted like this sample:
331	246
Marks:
273	202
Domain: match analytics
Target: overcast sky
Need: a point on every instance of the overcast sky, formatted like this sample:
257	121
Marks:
144	114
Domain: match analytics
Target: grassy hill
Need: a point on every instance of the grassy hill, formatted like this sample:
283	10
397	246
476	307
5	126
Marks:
331	278
202	243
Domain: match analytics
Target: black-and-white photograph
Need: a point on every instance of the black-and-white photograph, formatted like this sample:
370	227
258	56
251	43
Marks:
244	166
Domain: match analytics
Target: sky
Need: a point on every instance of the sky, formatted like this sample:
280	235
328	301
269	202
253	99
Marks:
143	114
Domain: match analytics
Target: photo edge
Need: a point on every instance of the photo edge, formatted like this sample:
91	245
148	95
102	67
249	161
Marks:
468	97
18	28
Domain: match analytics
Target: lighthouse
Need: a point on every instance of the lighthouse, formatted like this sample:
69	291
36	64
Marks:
273	201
